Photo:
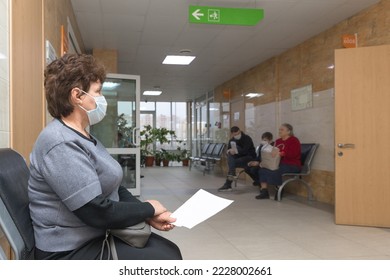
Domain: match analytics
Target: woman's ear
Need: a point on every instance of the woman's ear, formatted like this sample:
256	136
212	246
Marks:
75	97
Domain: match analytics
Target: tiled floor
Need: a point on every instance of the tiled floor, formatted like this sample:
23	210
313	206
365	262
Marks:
266	229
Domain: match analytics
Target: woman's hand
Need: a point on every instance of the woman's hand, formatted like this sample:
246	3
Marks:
163	221
253	163
274	153
158	207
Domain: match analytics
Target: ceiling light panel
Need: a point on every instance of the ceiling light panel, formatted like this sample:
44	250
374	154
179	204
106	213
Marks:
152	92
178	59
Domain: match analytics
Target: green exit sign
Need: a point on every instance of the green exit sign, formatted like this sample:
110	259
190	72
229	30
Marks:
227	16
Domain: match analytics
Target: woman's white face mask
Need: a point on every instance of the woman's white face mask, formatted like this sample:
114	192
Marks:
97	114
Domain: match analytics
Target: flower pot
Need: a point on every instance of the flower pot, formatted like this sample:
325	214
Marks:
149	161
158	161
185	162
165	162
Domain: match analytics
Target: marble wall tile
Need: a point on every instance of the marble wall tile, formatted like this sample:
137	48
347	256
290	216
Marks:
4	34
315	125
4	139
4	54
4	105
260	119
4	14
322	184
4	75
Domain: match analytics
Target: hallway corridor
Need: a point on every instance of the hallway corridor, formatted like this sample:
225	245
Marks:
253	229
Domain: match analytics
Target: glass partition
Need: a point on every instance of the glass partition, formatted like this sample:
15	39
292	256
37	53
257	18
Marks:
119	130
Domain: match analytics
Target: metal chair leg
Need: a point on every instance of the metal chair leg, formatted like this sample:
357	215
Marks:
295	178
280	188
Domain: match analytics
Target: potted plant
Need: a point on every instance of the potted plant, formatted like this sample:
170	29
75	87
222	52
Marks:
149	137
168	156
157	158
185	158
184	154
165	157
146	146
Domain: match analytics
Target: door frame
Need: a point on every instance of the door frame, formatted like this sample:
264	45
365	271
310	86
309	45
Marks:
136	150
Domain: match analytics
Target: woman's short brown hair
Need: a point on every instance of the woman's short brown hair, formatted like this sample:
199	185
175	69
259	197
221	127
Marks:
66	73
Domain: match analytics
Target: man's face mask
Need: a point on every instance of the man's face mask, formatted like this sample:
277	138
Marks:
237	137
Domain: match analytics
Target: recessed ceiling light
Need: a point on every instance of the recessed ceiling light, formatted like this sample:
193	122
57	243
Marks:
254	94
152	92
110	85
178	59
331	66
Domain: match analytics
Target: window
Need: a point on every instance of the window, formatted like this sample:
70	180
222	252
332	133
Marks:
179	120
163	115
147	106
169	115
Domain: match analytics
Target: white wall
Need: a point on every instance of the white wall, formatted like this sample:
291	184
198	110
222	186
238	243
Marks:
313	125
4	75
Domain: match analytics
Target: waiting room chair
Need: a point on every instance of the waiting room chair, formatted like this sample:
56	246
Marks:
194	159
208	153
214	157
307	154
15	220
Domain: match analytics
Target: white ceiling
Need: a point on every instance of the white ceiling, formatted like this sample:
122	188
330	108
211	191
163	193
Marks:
145	31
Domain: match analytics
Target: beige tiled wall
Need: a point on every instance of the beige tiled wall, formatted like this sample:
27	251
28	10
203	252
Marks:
259	119
313	125
4	75
316	125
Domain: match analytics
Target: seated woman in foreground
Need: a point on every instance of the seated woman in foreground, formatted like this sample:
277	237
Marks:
74	186
290	162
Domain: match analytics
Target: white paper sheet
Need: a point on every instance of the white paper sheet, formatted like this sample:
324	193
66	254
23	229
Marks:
201	206
233	145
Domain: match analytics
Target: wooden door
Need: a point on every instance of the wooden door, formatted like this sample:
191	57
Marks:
362	108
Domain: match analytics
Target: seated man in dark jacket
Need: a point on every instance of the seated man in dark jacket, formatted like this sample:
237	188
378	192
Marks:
240	151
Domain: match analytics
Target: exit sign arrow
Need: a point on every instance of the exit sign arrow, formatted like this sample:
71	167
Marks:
196	14
226	16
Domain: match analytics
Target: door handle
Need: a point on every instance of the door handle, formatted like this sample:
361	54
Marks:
346	146
135	143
